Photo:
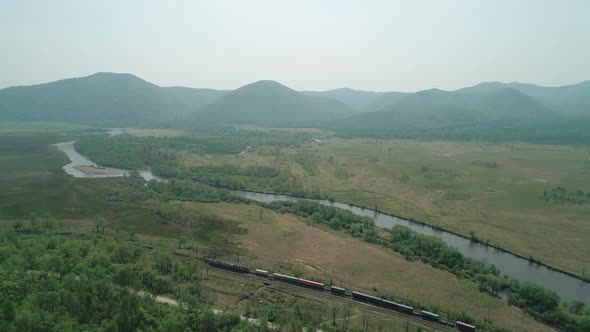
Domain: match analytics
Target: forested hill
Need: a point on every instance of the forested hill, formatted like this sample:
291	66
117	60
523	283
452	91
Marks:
439	109
357	99
496	113
362	101
489	111
569	100
268	103
104	99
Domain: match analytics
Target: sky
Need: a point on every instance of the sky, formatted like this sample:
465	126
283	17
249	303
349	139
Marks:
306	45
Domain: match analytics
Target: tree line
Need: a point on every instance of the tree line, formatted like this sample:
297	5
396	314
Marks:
561	195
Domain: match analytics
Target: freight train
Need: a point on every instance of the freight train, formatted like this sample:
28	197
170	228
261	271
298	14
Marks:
338	291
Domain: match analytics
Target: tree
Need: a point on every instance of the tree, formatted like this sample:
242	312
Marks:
8	311
346	315
34	220
99	223
17	225
365	321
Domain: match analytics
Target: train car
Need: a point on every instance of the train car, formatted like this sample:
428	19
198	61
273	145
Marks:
390	305
397	306
366	298
286	278
260	272
312	284
227	266
338	291
429	315
464	327
406	308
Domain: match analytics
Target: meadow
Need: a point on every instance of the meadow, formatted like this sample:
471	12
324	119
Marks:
33	182
492	192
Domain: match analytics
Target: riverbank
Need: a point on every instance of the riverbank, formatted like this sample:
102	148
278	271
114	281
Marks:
432	226
517	266
82	167
569	287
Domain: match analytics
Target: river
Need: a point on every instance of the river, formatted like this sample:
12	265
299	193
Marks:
568	287
77	160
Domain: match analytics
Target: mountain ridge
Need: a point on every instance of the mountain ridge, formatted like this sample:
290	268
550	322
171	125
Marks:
123	99
269	103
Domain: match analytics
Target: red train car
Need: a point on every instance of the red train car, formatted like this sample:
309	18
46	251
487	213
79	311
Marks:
312	284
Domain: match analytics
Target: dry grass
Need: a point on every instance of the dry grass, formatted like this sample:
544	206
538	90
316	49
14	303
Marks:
154	132
284	241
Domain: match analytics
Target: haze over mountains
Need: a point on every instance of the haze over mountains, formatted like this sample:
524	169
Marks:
122	100
268	103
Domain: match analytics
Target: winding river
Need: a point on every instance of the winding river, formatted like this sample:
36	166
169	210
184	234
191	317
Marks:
77	161
568	287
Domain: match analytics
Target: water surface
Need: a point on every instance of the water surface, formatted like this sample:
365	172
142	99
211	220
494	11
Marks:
77	159
568	287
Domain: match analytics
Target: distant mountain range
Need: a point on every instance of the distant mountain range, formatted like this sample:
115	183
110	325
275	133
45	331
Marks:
268	103
103	99
122	100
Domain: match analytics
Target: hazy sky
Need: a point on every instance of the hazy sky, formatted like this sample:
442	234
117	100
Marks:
316	45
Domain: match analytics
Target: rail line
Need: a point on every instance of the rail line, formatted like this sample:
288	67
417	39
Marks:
435	326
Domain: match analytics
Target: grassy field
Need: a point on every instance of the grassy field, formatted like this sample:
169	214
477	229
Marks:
492	191
286	243
154	132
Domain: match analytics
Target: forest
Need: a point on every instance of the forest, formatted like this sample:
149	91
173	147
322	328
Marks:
131	152
55	281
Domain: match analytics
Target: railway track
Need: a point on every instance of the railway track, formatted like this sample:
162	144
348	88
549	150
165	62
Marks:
329	296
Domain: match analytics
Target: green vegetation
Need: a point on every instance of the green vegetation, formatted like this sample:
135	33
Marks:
560	195
464	187
486	164
172	157
87	271
125	151
53	281
135	212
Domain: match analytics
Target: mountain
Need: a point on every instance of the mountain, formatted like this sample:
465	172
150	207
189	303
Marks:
434	109
362	101
268	103
386	99
569	100
105	99
356	99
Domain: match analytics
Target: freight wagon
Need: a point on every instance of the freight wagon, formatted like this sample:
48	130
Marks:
397	306
227	266
429	315
311	284
286	278
366	298
260	272
464	327
338	291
